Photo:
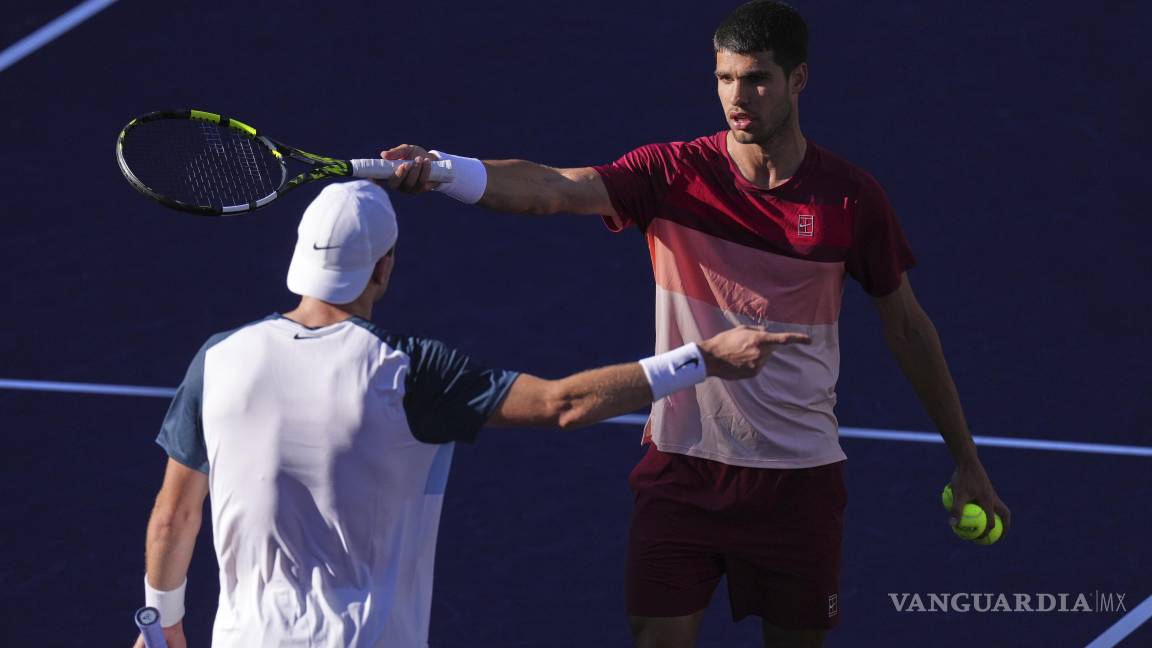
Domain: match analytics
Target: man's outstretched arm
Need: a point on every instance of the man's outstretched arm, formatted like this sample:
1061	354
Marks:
172	531
514	186
591	396
913	340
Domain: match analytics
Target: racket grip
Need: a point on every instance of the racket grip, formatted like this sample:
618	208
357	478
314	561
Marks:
384	169
148	620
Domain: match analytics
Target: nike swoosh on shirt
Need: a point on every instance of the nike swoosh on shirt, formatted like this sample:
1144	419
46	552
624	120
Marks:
324	247
305	337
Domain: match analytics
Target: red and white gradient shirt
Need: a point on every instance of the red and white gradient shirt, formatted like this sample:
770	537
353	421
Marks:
725	253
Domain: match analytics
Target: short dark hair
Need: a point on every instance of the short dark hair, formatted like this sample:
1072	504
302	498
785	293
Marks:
765	25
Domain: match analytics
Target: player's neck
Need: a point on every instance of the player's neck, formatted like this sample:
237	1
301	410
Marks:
769	165
315	313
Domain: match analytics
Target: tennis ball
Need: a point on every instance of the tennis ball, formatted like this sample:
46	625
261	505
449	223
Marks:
972	520
946	496
971	523
994	534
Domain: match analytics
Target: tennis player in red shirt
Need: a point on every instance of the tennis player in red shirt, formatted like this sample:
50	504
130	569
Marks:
755	224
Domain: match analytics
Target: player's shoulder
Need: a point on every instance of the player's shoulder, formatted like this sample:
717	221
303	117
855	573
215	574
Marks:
703	149
706	148
419	348
840	174
217	338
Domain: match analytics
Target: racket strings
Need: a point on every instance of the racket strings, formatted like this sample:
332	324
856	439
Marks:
247	176
201	163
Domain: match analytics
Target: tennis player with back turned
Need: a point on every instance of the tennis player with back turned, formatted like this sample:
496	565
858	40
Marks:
325	442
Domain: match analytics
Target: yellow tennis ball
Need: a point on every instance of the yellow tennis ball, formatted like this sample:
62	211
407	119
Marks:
946	496
972	520
994	534
971	523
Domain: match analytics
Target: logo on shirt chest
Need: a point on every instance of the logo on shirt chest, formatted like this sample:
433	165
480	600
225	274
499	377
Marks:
806	225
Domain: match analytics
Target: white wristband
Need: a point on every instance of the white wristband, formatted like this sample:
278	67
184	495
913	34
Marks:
674	370
170	603
470	181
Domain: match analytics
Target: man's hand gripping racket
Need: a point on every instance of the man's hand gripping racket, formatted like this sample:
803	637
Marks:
153	636
212	165
415	172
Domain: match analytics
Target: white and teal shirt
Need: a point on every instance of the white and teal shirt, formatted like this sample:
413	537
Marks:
327	452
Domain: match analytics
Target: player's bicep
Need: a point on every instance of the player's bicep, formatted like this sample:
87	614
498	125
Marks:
894	306
900	313
530	402
584	192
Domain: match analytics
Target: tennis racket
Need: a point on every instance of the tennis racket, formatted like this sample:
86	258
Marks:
148	620
212	165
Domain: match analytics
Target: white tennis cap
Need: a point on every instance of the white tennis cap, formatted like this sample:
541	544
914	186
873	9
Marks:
343	233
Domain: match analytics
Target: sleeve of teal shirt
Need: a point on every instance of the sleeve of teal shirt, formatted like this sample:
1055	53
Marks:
182	433
449	396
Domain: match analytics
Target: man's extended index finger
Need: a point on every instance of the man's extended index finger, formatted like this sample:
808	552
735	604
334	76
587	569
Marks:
787	338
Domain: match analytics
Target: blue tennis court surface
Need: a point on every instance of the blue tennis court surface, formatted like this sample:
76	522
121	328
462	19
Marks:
1010	139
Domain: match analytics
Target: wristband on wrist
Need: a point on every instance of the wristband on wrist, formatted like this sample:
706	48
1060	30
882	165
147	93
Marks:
470	181
170	603
674	370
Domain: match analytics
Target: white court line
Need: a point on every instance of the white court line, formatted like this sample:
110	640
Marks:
50	32
1124	627
640	419
991	441
1001	442
87	388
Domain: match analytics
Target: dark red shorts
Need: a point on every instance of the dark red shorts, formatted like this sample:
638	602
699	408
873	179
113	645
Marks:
776	534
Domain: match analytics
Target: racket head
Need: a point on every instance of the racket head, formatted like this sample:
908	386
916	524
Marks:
204	163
